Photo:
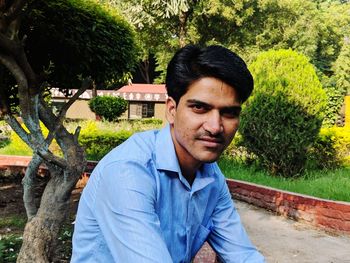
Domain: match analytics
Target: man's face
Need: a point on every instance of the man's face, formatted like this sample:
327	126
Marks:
204	122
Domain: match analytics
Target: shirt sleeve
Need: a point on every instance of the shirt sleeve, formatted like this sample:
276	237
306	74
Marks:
125	211
228	237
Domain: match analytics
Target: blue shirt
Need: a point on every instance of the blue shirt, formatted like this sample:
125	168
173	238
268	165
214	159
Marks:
137	207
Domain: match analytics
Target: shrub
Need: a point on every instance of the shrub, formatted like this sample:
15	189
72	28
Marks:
98	144
285	112
78	38
108	107
17	146
331	148
347	111
334	102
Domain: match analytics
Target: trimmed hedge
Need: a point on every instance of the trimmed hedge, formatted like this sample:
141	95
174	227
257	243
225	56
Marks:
108	107
283	116
78	38
98	144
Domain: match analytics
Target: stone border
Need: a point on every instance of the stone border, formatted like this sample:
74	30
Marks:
329	215
332	216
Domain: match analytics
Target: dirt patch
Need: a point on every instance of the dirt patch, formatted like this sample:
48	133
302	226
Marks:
11	200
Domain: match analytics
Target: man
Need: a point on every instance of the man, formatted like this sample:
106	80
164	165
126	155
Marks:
160	195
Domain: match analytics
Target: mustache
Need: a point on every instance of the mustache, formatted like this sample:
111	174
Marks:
219	138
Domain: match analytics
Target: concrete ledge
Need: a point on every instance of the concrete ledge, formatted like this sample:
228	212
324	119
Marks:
332	216
329	215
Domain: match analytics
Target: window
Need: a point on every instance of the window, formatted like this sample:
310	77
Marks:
141	110
147	110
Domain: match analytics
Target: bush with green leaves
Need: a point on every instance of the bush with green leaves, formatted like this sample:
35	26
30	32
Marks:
108	107
78	37
97	143
283	116
331	149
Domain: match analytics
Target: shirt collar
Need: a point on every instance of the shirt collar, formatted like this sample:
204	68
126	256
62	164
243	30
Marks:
166	159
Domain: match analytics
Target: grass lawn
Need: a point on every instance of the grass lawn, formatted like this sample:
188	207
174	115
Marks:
334	185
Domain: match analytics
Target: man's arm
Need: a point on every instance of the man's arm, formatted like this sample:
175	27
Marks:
125	211
228	237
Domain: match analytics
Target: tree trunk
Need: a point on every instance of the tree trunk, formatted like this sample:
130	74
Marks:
41	232
183	28
144	70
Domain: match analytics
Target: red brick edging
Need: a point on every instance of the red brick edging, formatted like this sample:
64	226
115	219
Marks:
330	215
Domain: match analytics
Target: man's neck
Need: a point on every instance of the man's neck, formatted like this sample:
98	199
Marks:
189	174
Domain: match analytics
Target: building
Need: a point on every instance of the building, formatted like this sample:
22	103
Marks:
145	101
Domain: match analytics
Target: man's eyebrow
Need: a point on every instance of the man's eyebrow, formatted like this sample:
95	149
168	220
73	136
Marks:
202	103
198	102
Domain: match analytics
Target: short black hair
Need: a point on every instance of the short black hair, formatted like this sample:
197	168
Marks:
192	63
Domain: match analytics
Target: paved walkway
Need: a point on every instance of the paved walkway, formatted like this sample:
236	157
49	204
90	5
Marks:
283	240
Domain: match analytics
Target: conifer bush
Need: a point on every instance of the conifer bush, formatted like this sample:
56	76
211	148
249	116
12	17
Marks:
284	114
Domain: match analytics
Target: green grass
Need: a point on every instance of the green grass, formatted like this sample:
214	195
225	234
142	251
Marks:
331	184
9	247
10	150
14	221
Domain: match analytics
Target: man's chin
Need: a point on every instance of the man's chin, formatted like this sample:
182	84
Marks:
210	159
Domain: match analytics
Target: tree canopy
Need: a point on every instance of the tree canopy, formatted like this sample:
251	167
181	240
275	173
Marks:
313	28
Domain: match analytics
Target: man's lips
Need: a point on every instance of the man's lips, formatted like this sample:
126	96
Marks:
211	141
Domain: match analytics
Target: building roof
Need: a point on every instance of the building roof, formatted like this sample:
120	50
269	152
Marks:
132	92
143	88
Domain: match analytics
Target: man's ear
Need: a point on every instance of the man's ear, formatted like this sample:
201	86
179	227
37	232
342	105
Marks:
170	113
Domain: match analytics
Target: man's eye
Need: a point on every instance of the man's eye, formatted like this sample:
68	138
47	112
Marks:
230	113
198	108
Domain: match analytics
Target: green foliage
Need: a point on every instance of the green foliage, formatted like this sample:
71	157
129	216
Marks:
78	38
335	100
152	121
342	68
4	134
331	148
91	136
17	146
315	29
9	248
97	143
108	107
284	114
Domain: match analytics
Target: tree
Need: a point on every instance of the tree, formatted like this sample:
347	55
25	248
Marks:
88	34
245	26
341	68
161	26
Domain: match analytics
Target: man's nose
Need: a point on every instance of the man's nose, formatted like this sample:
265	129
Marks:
213	123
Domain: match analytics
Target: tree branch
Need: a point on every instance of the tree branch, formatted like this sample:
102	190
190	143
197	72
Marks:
13	67
28	183
15	10
49	157
86	83
16	126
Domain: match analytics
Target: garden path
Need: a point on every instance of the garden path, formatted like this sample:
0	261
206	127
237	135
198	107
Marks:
283	240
